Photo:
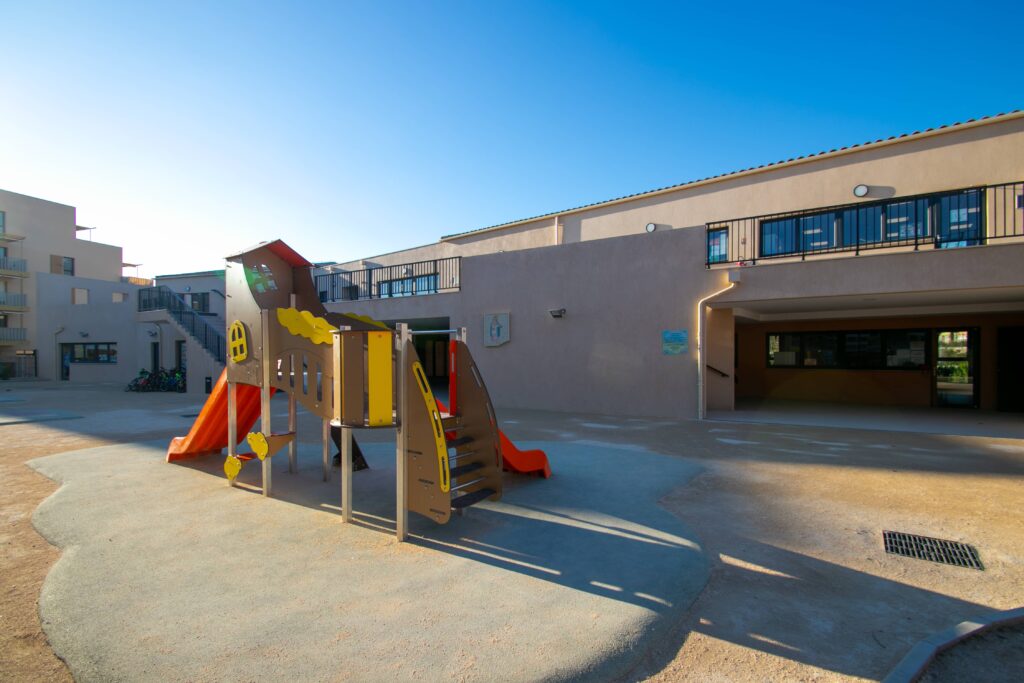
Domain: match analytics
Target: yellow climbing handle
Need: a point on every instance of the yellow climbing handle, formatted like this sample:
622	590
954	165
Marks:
435	423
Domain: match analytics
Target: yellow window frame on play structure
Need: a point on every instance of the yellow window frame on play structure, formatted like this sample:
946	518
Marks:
238	342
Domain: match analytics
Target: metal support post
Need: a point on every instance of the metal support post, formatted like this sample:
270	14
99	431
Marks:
232	422
265	426
346	474
292	427
346	433
401	440
461	336
327	448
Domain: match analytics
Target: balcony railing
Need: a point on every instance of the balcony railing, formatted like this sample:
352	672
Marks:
958	218
13	299
13	334
17	265
163	299
387	282
140	281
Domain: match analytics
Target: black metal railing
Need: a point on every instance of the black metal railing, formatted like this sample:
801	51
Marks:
17	265
957	218
163	299
14	299
386	282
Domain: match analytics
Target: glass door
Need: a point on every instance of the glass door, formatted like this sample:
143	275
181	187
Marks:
955	368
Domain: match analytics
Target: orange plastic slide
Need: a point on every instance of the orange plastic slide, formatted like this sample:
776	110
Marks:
209	433
534	461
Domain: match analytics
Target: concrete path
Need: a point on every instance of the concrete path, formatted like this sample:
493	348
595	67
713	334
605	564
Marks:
168	574
949	421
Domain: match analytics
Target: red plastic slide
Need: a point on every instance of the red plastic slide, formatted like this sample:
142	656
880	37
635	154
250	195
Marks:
515	460
209	433
534	461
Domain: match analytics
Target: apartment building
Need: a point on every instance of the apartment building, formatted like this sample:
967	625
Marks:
67	313
884	273
63	299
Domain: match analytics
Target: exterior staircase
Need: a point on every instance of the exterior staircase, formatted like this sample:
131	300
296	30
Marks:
198	326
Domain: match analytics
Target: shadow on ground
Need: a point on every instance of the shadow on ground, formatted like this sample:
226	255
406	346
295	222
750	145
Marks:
180	576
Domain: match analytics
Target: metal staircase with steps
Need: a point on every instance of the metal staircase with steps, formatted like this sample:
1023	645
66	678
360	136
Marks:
197	326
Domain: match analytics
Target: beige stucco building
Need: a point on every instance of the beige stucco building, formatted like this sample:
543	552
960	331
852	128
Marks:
883	273
67	312
57	289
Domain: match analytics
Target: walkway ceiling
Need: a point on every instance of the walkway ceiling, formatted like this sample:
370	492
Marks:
991	300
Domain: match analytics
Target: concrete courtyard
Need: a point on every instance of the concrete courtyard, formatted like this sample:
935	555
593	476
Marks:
659	551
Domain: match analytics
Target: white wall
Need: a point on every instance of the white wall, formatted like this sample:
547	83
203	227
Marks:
101	320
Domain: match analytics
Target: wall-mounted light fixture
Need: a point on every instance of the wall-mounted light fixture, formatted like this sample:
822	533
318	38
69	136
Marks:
860	190
152	333
557	312
651	227
83	335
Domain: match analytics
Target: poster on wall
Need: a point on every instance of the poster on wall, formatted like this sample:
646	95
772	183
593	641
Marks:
496	329
674	342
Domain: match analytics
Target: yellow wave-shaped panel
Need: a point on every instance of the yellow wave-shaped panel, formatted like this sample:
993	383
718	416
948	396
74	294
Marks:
305	324
368	320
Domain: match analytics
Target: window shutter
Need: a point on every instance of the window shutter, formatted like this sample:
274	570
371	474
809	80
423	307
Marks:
56	264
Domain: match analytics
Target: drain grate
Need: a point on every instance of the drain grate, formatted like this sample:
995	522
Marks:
932	549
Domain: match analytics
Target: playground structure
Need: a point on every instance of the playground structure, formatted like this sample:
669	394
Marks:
352	372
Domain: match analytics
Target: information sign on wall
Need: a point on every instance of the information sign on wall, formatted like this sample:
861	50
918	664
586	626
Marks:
496	329
674	342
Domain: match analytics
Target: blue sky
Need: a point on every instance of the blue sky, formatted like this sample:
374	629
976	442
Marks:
188	130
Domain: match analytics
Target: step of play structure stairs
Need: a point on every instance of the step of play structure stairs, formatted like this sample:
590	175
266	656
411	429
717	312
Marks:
457	472
471	498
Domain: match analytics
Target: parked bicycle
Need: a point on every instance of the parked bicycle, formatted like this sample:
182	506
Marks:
161	380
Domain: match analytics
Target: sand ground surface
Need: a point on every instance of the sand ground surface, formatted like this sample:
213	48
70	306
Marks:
790	518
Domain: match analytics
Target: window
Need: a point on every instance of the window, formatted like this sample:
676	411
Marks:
3	221
718	245
863	349
862	225
79	296
200	302
119	297
815	232
778	237
953	219
821	350
906	221
905	348
408	286
855	350
104	352
783	350
959	223
261	279
818	231
68	265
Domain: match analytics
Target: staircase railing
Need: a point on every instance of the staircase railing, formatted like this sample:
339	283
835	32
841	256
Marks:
163	299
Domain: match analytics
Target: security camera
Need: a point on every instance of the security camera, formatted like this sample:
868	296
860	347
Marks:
557	312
